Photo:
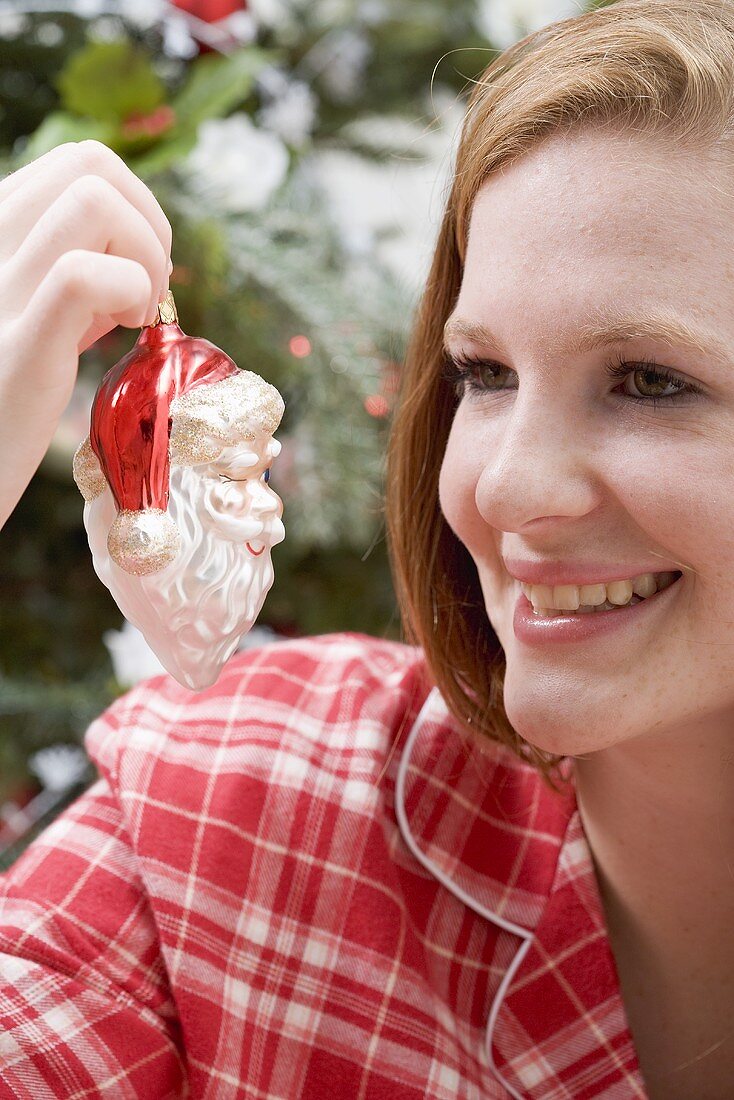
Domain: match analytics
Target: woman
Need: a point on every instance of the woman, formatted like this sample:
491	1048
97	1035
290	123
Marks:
496	862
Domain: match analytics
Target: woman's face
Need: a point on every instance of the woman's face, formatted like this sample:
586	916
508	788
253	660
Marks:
551	459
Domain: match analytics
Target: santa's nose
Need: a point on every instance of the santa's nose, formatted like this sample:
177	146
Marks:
265	503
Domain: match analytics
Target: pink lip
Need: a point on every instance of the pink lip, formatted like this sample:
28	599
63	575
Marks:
578	628
552	573
257	553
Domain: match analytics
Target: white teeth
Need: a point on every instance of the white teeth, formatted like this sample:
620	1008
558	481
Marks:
619	592
584	609
647	584
566	597
587	598
592	595
540	595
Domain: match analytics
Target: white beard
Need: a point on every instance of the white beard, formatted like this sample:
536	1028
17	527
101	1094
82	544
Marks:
193	612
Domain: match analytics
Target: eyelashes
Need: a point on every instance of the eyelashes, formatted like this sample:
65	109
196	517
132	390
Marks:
475	376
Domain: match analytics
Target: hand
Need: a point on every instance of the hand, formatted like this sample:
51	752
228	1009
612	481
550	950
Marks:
84	247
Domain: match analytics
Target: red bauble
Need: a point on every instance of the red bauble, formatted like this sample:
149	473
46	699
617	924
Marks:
210	11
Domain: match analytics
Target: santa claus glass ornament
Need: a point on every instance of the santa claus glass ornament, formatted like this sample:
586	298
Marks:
178	510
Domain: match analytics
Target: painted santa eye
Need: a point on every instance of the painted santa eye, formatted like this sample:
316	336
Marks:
266	475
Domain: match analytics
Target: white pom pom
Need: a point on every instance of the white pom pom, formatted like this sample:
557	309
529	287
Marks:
143	542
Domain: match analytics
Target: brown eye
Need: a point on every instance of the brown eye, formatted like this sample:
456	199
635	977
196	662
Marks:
484	375
476	375
650	380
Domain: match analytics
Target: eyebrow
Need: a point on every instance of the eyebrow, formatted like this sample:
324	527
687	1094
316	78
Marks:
610	328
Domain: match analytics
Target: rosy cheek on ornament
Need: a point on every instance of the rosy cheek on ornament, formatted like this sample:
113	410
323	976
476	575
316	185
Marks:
228	507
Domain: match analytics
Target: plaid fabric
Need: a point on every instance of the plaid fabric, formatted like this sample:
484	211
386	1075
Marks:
305	882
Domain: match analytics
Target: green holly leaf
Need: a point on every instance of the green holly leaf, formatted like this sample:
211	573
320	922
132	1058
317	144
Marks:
109	81
215	85
219	83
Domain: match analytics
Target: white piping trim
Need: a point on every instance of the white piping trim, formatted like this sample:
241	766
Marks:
508	926
526	934
494	1012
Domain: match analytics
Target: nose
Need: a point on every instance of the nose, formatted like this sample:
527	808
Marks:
264	502
537	463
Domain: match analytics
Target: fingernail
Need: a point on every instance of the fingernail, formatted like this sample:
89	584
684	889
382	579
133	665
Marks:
170	267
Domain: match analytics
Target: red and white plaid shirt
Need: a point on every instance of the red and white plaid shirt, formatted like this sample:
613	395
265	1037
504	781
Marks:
305	882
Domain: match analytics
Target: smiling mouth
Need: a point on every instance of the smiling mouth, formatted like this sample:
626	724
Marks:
251	546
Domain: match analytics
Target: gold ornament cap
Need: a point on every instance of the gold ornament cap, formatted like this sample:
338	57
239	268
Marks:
167	312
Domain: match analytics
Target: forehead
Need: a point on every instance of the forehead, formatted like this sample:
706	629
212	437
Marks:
599	213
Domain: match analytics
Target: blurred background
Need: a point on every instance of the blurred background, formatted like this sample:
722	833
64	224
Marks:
301	150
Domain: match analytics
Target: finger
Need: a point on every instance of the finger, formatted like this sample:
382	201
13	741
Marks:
22	176
93	216
81	289
24	201
41	360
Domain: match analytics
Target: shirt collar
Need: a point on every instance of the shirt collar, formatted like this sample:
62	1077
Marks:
487	827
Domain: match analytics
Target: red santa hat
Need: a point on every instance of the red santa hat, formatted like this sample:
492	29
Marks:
131	445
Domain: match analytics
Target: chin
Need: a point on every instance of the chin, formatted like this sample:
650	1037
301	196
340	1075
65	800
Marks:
571	728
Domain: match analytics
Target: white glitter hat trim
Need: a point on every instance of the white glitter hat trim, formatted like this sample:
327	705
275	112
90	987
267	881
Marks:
221	414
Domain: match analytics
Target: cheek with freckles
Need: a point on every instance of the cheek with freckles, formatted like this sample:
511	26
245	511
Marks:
668	491
457	485
453	491
461	472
